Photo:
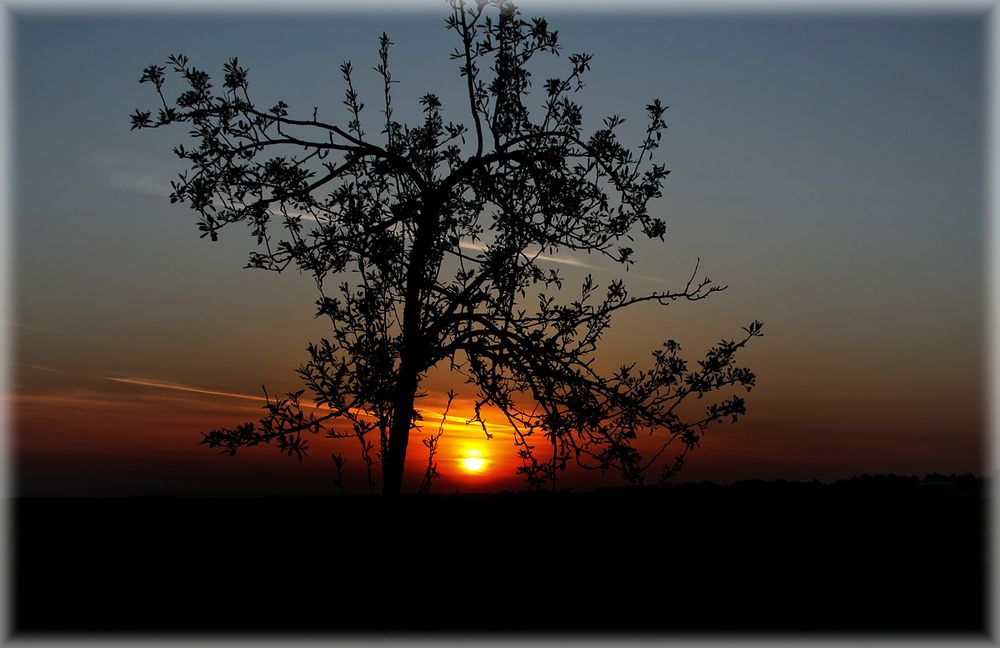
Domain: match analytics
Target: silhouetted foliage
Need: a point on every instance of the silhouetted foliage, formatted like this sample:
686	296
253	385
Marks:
429	243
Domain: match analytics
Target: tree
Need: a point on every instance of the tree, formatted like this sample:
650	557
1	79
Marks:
428	244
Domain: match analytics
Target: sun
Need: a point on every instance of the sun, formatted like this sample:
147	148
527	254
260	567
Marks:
473	464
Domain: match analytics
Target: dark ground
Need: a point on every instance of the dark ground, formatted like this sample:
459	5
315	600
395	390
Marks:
868	555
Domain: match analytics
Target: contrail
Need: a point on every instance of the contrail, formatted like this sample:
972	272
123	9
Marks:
451	422
562	260
149	382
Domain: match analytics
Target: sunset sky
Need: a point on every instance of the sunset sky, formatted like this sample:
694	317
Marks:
827	168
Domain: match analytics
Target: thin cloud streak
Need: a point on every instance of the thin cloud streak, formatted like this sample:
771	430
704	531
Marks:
136	173
451	422
40	368
479	247
159	384
148	184
153	177
563	260
49	331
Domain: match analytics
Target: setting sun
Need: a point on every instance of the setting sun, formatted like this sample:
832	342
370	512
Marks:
473	464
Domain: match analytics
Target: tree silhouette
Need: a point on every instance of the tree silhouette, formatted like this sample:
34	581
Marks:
429	245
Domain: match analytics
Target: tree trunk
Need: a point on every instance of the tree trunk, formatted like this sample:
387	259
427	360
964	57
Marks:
411	356
399	433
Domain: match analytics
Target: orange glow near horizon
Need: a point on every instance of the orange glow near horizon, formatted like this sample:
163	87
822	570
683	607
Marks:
123	422
120	426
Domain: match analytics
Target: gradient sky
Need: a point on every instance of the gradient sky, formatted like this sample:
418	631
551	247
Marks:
828	169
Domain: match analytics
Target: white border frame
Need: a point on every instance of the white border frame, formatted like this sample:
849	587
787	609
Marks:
991	15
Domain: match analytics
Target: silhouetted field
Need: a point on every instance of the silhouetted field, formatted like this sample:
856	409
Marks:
878	554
